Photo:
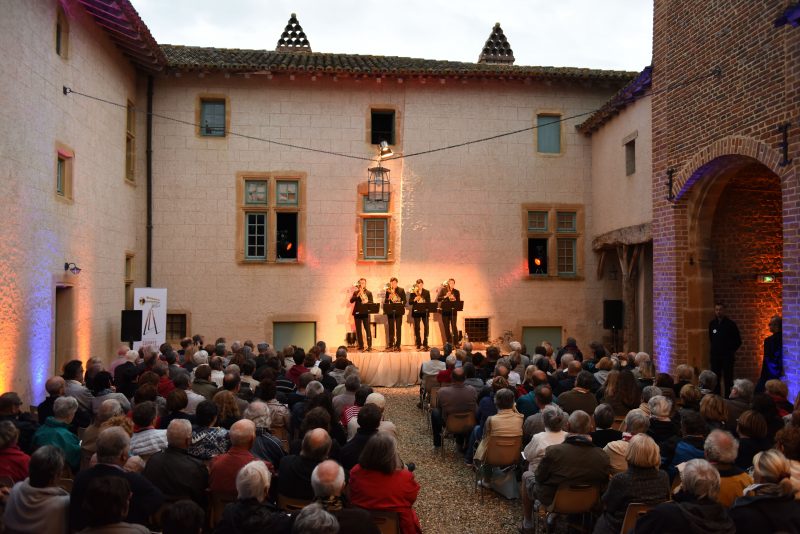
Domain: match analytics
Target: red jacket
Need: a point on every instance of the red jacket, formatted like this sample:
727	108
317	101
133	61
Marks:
165	386
225	467
397	492
294	373
14	463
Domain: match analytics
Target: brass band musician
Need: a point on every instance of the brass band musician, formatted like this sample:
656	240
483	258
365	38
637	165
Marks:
363	295
394	295
449	292
420	294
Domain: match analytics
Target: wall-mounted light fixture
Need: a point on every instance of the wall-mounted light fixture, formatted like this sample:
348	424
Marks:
71	267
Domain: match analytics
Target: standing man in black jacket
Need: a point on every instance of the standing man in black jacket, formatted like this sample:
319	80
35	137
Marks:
363	295
394	295
772	366
449	292
420	294
725	341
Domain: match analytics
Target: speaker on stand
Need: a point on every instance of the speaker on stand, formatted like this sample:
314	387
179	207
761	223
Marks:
131	326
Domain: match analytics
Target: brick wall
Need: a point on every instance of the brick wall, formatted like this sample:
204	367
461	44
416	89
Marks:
736	113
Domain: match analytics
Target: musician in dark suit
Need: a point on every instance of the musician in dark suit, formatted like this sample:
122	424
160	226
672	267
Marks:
394	295
450	319
361	294
420	294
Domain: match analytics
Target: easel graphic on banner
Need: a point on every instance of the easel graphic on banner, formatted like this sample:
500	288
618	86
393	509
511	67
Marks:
150	323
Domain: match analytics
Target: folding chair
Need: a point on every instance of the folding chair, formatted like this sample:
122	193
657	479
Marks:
387	522
433	402
282	434
289	504
218	503
632	514
502	452
572	499
457	423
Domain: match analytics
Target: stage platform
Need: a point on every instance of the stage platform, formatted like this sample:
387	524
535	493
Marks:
389	369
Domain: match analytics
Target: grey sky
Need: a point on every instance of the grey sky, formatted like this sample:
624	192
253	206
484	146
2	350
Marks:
608	34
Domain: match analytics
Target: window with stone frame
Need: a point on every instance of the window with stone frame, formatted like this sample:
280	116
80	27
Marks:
375	230
553	240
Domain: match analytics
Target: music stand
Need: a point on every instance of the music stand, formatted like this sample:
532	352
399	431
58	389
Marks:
366	308
425	307
393	309
449	306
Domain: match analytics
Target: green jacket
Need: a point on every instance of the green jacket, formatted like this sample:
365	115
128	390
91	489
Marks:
56	433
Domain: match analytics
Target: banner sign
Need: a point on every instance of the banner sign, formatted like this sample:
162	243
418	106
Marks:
153	303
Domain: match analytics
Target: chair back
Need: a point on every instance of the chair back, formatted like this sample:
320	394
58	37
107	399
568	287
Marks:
65	484
503	451
218	503
387	522
575	499
617	422
429	382
282	434
460	423
290	504
632	514
435	396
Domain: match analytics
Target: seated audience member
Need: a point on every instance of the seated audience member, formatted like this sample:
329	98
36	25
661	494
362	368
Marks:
751	427
266	446
351	411
348	398
183	383
526	404
643	482
569	379
317	417
173	471
177	401
379	482
73	378
779	393
106	506
685	375
707	382
351	370
603	366
507	422
533	424
313	519
433	366
298	368
13	462
267	391
763	404
695	508
472	379
217	363
108	409
635	423
555	420
228	408
232	382
208	439
37	504
714	411
721	449
113	445
603	421
126	373
147	439
55	387
444	376
378	400
457	398
788	442
328	382
202	384
579	397
576	460
223	468
295	471
10	411
165	384
690	399
648	393
741	398
369	419
662	429
768	505
252	512
183	517
328	480
623	394
103	389
55	431
690	446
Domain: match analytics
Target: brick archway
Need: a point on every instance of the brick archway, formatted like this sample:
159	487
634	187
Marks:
732	194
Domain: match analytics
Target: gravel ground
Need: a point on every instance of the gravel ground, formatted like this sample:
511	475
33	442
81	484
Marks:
447	501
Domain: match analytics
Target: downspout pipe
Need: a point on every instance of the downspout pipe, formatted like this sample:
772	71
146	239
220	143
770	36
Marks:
149	164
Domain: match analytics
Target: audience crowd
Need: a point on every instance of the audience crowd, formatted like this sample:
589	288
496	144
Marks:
241	438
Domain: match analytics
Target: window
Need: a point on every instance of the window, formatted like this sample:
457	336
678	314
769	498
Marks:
630	157
62	33
128	281
270	217
477	328
176	326
130	142
554	237
376	236
213	116
64	160
548	134
382	126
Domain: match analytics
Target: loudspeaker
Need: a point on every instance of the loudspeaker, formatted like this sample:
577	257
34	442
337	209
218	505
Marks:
612	314
131	329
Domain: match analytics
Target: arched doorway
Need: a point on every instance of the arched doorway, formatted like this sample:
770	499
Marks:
735	253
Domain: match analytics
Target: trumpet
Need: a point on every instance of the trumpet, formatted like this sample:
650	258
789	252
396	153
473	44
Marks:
449	293
361	292
391	292
418	292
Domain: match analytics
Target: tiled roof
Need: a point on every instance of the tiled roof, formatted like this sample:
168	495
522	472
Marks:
636	88
119	19
234	60
293	38
497	48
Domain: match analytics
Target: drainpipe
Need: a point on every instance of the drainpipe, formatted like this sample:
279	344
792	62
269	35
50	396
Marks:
149	158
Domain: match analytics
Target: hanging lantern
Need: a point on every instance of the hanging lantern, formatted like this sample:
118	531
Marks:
378	184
